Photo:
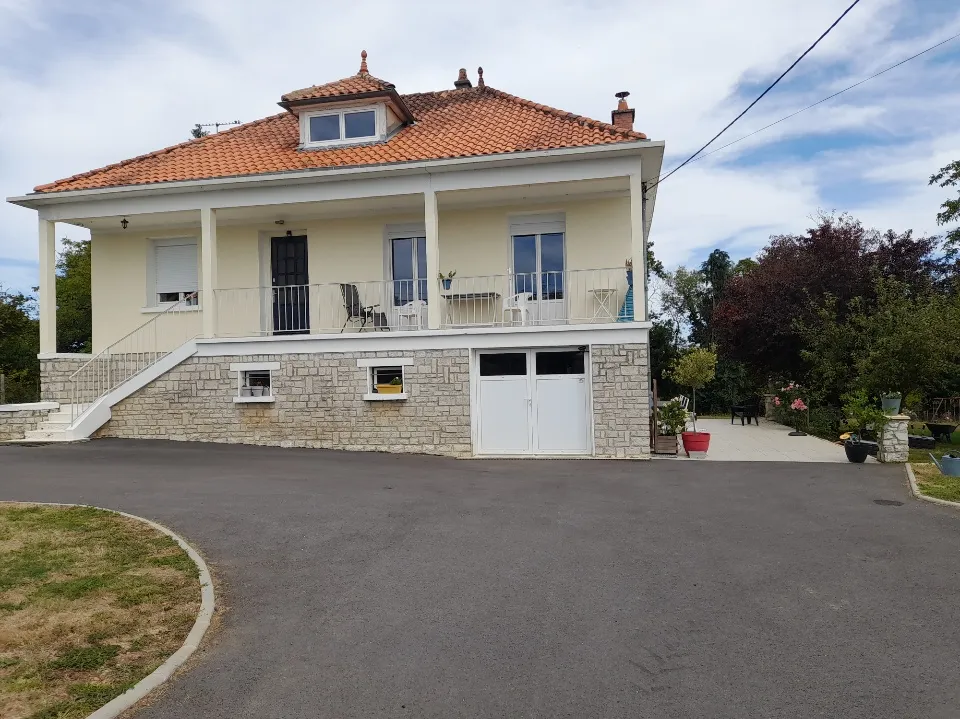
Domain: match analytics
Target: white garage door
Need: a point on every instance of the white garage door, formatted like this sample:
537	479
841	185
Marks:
533	402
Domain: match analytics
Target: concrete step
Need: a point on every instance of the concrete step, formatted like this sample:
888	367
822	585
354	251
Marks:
54	424
47	435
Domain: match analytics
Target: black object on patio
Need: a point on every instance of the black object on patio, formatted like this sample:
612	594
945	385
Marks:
747	411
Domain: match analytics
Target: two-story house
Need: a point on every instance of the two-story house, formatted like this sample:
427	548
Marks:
291	281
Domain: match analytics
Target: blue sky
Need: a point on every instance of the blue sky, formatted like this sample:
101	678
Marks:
86	83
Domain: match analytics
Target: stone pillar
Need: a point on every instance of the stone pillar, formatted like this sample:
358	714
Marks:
208	270
432	226
768	406
48	287
894	445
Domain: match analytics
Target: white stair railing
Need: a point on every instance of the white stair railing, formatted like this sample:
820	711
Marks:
133	353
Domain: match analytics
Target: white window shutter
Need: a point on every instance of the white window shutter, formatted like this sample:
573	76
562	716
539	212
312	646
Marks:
176	268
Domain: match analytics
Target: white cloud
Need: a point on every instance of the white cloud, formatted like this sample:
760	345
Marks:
69	108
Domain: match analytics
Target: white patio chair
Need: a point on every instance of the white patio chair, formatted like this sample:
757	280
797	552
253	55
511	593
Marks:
410	315
518	307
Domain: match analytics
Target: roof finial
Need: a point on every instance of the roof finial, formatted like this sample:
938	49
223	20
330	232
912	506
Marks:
480	82
363	63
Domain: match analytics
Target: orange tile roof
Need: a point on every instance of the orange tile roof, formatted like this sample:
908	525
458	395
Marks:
354	85
465	122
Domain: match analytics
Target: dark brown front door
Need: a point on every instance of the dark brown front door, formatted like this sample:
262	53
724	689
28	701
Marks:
291	291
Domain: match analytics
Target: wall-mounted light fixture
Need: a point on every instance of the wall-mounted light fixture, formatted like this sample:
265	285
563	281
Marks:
124	223
278	222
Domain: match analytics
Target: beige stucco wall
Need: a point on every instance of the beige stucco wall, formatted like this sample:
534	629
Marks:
474	242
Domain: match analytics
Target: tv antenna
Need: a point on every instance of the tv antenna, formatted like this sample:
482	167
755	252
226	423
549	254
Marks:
217	125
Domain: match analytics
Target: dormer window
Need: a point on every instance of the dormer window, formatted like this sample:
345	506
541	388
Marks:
342	126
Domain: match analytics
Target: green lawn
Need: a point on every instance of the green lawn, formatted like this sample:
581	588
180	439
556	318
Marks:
933	484
922	456
90	603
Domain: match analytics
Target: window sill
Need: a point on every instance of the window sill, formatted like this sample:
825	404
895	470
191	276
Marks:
377	397
163	308
251	400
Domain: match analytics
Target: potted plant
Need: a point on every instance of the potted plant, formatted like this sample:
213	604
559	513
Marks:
890	401
629	265
695	369
446	280
672	420
395	386
861	415
246	391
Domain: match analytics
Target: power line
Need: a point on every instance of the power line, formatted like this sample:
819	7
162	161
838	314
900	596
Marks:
830	97
763	94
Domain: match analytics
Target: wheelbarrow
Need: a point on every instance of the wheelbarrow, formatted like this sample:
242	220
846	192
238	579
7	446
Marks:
948	466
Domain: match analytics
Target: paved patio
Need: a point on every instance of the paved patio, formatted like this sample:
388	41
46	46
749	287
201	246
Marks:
766	442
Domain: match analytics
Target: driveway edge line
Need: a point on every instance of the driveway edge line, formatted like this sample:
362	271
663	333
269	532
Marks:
161	674
912	479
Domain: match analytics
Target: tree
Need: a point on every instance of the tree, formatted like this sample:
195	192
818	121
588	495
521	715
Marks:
654	266
747	264
902	341
692	296
663	353
756	319
694	369
19	345
949	176
74	311
197	132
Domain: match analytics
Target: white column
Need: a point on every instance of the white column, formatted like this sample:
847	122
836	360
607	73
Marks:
638	247
432	223
208	270
48	287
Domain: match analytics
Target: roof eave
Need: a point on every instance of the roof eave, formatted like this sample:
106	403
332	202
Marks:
38	199
390	94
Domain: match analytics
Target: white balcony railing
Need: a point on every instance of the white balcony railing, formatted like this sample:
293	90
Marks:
548	298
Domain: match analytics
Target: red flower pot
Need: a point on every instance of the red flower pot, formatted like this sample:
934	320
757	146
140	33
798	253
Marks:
696	443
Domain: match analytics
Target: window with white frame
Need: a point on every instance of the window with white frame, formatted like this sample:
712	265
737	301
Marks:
343	126
386	378
254	381
175	271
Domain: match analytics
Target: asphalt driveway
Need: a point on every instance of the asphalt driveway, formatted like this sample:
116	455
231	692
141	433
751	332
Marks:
401	586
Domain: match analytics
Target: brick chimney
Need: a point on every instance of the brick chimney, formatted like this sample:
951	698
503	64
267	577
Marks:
462	82
622	118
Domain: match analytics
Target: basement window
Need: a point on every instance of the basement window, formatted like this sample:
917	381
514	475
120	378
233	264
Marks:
254	381
386	378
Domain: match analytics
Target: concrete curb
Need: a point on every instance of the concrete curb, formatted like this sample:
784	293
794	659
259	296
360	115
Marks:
161	674
912	479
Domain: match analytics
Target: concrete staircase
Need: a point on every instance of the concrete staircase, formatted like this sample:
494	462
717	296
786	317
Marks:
53	428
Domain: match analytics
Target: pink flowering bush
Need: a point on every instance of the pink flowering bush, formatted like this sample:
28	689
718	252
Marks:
790	402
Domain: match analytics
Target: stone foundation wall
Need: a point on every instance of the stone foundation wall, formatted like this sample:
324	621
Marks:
55	377
318	403
16	420
621	400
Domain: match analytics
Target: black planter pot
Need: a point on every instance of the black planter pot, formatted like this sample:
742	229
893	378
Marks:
856	451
